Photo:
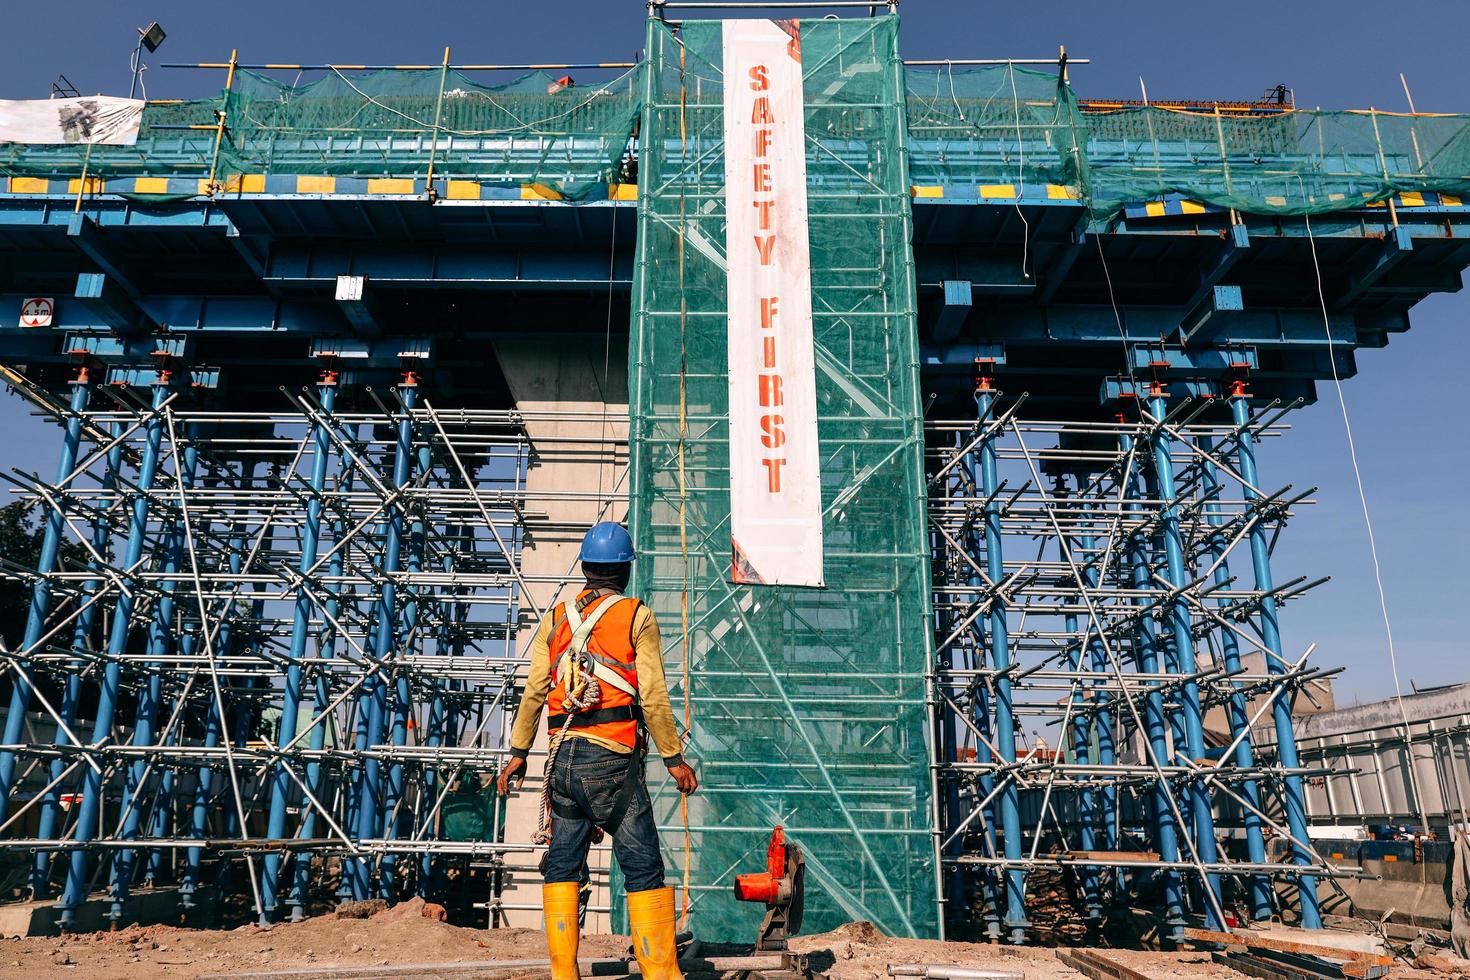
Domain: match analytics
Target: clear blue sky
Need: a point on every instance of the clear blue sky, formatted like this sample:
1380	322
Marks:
1405	404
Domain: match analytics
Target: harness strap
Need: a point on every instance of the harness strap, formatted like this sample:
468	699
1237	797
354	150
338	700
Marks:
601	716
582	635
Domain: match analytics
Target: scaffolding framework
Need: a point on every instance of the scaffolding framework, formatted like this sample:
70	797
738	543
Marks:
288	637
1098	586
275	649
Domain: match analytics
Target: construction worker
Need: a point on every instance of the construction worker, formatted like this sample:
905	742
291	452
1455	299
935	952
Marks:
597	664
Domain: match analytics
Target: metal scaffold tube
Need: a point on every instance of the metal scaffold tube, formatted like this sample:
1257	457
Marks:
274	584
1091	561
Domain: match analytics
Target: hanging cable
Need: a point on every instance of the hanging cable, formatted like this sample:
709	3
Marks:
1347	426
1020	175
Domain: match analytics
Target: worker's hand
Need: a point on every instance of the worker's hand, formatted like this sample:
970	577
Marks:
685	779
514	769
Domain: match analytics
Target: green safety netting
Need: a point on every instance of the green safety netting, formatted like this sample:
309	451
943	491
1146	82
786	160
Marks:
991	124
1297	162
808	705
968	126
383	124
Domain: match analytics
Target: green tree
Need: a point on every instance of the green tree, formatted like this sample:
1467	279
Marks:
21	531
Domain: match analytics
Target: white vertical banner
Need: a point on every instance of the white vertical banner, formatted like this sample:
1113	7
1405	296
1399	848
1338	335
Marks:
775	465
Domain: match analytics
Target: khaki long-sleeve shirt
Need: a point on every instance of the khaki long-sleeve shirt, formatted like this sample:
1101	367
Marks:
653	692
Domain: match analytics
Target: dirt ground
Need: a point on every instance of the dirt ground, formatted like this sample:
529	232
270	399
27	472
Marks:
402	936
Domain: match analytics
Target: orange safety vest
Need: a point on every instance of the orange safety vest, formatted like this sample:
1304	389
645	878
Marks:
600	625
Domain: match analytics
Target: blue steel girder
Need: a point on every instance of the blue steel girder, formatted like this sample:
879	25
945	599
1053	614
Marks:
478	265
113	303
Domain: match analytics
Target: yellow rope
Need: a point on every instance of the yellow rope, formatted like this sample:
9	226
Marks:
683	485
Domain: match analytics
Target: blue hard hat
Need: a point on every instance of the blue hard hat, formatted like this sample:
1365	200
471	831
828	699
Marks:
607	543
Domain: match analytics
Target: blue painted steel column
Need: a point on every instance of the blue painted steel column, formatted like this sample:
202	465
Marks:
300	628
81	639
1293	802
204	778
150	695
20	691
1260	885
990	877
434	729
322	693
402	692
1154	721
1104	800
91	806
1000	656
369	808
944	625
1181	624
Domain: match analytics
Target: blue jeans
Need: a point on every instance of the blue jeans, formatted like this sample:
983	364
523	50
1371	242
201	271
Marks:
588	778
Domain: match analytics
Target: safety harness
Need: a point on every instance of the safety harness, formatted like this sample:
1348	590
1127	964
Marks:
583	673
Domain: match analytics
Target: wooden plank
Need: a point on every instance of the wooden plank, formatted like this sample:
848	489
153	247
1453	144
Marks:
1111	856
1066	958
1111	966
1251	940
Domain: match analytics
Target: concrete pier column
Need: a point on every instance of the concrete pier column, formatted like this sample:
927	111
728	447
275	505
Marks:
569	462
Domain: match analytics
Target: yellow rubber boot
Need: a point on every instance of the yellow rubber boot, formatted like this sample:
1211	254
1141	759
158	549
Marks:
559	904
651	915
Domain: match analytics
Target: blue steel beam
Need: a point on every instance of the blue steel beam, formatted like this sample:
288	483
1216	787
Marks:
92	242
1211	315
1054	275
467	265
958	299
1395	247
1232	250
112	305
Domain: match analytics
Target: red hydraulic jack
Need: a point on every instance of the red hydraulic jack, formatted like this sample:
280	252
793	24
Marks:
780	887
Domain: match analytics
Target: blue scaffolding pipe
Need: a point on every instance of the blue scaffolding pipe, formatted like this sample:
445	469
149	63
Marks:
393	820
86	828
434	731
322	694
1082	752
1000	655
20	691
1286	750
1236	708
1105	800
370	803
150	696
1181	626
300	627
81	639
1154	720
949	737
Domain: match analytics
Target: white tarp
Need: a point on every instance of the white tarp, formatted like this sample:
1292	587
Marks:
775	466
98	119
